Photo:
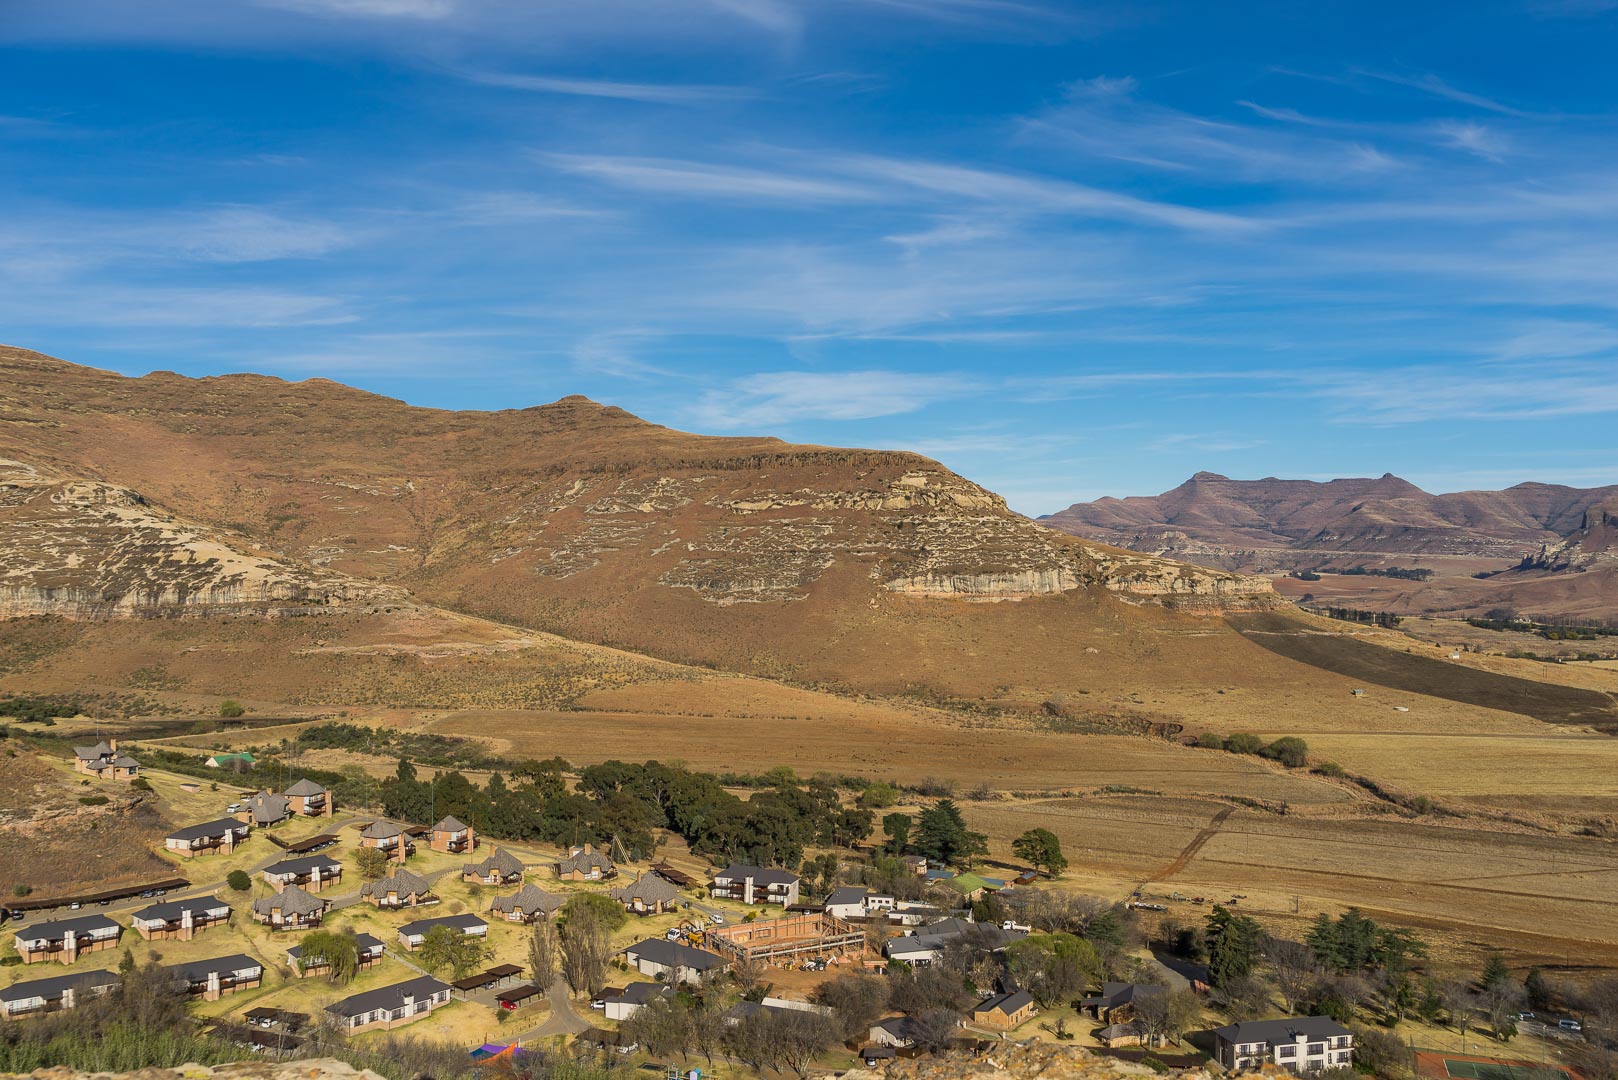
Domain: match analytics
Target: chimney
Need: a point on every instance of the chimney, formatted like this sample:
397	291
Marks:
113	744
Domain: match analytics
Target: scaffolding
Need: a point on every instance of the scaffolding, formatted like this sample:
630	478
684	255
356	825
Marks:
792	938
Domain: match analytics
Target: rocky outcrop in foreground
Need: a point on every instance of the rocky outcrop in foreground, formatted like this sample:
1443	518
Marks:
313	1069
1019	1060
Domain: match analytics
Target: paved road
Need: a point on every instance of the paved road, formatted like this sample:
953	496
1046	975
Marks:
563	1020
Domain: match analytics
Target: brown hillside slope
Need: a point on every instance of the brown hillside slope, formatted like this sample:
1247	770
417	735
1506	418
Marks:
576	517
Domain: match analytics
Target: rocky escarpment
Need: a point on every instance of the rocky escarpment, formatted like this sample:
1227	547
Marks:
732	538
89	550
1595	545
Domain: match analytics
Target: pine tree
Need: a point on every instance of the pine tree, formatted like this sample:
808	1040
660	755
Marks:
1495	972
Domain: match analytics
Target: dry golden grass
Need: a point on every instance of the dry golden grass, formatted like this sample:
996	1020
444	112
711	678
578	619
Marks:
1544	898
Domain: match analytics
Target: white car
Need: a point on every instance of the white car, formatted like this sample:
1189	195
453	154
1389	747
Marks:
717	919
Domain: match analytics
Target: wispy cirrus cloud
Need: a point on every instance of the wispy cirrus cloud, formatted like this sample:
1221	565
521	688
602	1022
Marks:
1430	83
691	178
783	397
646	93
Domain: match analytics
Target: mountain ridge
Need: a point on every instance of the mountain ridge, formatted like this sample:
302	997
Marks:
580	519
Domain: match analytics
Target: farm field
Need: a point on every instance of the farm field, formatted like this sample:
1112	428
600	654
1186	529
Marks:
1007	756
1542	898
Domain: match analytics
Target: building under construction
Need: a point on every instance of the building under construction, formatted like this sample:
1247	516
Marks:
795	937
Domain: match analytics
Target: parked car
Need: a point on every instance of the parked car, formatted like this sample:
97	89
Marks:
717	919
598	1004
74	906
1526	1016
1570	1025
148	894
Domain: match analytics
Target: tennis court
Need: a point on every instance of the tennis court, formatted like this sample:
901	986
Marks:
1437	1065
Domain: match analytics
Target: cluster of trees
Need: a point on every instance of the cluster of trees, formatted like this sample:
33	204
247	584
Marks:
1399	573
1289	750
38	710
140	1024
940	833
1385	619
621	805
442	751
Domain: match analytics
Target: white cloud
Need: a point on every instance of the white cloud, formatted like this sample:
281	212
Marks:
675	177
651	93
772	398
1432	84
1473	138
370	9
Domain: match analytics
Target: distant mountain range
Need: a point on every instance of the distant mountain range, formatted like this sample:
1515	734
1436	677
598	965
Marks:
1530	537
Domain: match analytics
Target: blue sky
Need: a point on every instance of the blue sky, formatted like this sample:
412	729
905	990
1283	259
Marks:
1069	250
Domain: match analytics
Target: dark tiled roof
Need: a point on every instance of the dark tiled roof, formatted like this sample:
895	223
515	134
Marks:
583	860
388	997
462	923
1008	1004
83	924
380	830
450	824
218	827
199	970
848	894
304	865
305	788
267	807
175	909
673	954
51	989
1284	1031
762	876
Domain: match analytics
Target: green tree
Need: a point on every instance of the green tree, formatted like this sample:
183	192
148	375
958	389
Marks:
878	795
230	708
338	951
897	829
1233	946
942	834
238	880
544	954
447	949
372	863
1495	973
606	911
1041	849
1538	989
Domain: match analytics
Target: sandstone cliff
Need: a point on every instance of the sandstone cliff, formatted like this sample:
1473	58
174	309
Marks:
89	549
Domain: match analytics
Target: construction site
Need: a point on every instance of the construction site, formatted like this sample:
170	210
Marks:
808	937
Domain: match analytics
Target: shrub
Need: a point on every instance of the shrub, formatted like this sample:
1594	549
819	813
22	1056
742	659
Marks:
140	783
93	800
231	708
21	890
1211	740
1244	742
238	880
1289	750
1331	769
878	795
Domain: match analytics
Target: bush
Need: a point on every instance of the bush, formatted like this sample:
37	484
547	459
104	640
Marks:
238	880
93	800
230	708
140	783
1211	740
1244	742
21	890
878	795
1289	750
1331	769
